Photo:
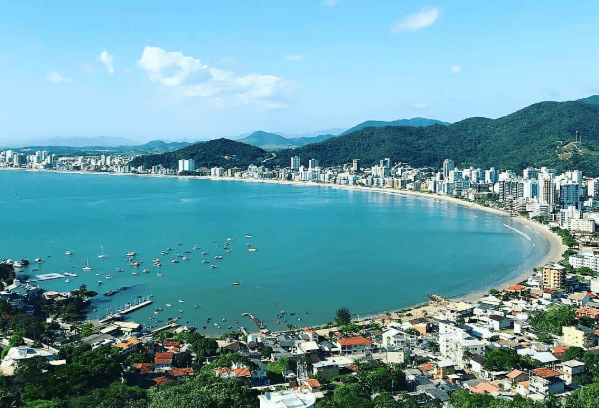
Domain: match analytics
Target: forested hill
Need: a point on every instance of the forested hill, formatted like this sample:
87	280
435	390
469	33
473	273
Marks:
214	153
416	122
537	135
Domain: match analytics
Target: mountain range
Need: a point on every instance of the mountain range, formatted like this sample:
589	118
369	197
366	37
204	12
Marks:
542	134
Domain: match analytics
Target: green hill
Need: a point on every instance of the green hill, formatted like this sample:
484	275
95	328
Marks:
537	135
272	141
213	153
416	122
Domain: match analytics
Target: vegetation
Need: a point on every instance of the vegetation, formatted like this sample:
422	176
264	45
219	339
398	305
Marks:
553	319
507	359
213	153
343	316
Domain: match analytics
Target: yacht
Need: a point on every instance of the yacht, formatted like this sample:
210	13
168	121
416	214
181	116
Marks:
68	252
236	283
101	255
187	252
179	243
108	277
70	274
252	249
131	253
164	252
213	266
248	236
204	253
218	257
159	275
181	301
99	282
67	280
38	260
120	270
86	267
168	305
134	273
223	319
155	260
181	311
146	271
174	261
185	258
98	274
204	261
135	263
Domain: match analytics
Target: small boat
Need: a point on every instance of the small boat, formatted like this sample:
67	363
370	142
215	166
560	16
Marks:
179	255
229	327
38	260
197	306
213	266
130	253
185	258
196	247
248	244
204	253
252	249
236	321
146	271
159	309
236	283
168	305
174	261
108	277
179	243
134	273
218	257
99	282
223	319
204	261
109	293
248	236
34	270
135	263
67	280
292	314
228	251
204	327
70	274
181	301
164	252
187	252
68	252
169	249
181	311
159	275
98	274
120	270
299	320
86	267
278	321
101	255
155	260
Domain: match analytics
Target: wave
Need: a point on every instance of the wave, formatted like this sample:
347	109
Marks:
519	232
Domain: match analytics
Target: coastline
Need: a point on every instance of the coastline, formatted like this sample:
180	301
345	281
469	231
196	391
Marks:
556	248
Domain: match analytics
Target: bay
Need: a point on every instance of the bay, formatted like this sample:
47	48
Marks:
318	248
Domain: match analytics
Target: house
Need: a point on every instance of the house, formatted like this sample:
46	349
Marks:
312	384
483	388
579	298
16	354
579	336
454	345
163	361
516	376
559	351
516	289
144	367
180	373
444	368
587	311
545	381
571	370
477	363
128	346
500	322
355	345
162	381
291	398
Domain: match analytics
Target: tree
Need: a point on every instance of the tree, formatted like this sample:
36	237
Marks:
266	352
586	397
343	316
573	353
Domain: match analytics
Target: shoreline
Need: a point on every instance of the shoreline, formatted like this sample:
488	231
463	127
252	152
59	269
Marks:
556	248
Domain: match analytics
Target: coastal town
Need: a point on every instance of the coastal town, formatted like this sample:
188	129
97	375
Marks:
530	340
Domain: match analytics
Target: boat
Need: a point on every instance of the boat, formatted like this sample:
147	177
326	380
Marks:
236	283
86	267
179	243
159	309
146	271
213	266
108	277
179	255
38	260
223	319
248	244
68	252
70	274
278	321
101	255
196	247
164	252
134	273
197	306
229	327
155	260
174	261
248	236
98	274
99	282
204	261
135	264
110	293
236	321
120	270
159	275
168	305
204	253
130	253
218	257
252	249
34	270
181	301
169	249
187	252
228	251
181	311
67	280
185	258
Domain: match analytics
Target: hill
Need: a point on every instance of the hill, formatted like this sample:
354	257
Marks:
537	135
592	100
272	141
213	153
416	122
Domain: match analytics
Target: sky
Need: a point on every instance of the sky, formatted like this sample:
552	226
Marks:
195	70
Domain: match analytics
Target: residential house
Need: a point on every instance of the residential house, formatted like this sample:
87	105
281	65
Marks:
500	322
163	361
444	369
355	345
579	336
579	298
291	398
545	381
483	388
327	369
516	376
571	370
587	311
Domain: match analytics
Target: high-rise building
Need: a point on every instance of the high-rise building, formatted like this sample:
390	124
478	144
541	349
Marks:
546	189
312	164
295	163
569	194
386	163
356	165
554	276
448	165
187	165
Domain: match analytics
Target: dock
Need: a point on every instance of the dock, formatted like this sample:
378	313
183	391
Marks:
165	327
261	326
129	309
46	277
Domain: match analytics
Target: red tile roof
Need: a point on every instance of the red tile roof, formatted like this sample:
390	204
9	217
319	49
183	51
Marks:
355	341
483	388
170	343
242	372
515	288
313	382
513	374
546	372
144	367
181	372
163	358
161	381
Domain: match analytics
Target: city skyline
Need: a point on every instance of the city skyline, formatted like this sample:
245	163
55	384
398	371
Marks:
195	72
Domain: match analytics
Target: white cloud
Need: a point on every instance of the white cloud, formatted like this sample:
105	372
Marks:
293	57
106	59
168	68
56	77
330	3
419	105
414	22
456	69
173	71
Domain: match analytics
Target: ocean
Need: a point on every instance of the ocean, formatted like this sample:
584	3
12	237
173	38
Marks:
316	248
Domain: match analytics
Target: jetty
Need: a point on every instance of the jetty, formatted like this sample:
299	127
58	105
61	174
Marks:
131	308
261	326
168	326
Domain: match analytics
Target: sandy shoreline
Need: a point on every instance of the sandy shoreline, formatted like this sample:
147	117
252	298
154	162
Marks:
554	241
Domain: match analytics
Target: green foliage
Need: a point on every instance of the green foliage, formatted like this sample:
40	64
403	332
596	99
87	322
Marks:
545	338
573	353
7	273
343	316
586	271
507	359
349	328
214	153
553	319
279	366
586	397
266	352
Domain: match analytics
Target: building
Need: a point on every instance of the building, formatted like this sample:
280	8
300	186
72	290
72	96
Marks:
355	165
571	370
287	399
585	258
448	165
554	276
187	165
312	164
579	336
295	163
457	344
545	381
355	345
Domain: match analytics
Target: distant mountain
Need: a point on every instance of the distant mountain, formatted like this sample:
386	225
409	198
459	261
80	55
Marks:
162	145
213	153
591	100
86	141
416	122
542	134
272	141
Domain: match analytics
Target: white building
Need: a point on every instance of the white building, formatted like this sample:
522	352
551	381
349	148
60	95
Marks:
295	163
187	165
455	344
287	399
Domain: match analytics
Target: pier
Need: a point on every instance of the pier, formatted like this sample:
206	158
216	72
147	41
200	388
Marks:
261	326
126	310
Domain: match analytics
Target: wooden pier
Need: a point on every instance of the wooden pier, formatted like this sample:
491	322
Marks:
261	326
122	312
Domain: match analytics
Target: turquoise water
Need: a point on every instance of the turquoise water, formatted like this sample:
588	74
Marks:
318	248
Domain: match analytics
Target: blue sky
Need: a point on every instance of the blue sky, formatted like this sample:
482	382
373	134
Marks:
199	70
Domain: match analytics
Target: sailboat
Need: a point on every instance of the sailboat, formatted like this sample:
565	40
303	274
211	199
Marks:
86	267
102	254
